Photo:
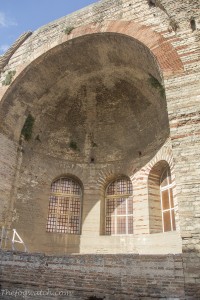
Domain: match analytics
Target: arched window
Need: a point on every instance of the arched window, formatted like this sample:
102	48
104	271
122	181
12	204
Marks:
167	201
161	200
64	207
119	207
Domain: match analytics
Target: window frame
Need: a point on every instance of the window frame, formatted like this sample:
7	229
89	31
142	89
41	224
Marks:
61	195
116	196
169	187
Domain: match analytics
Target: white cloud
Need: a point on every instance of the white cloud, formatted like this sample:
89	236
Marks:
4	48
2	20
6	22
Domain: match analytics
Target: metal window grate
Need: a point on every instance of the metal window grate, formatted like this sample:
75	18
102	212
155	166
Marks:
120	187
64	207
119	207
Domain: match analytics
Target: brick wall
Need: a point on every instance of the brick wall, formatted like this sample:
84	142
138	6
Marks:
32	199
104	276
8	157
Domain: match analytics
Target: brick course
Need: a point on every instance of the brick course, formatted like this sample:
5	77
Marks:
104	276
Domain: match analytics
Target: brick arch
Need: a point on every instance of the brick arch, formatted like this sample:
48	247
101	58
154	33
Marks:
166	55
168	59
141	189
66	170
110	174
158	168
71	176
163	54
155	215
154	197
165	154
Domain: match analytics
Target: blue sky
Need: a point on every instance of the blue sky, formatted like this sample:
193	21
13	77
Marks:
19	16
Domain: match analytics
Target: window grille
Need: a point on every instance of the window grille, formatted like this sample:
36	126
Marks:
119	207
64	207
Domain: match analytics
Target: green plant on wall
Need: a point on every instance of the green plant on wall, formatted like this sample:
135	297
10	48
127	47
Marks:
38	138
28	127
73	145
69	29
156	85
93	144
173	24
9	77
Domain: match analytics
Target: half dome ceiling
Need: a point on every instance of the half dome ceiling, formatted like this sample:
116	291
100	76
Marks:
93	91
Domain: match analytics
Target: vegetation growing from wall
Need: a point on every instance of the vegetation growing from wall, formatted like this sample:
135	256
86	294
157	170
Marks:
73	145
93	144
173	24
9	77
156	85
69	29
38	138
28	127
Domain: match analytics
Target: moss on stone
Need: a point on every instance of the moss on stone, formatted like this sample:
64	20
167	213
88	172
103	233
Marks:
28	127
154	82
9	77
69	29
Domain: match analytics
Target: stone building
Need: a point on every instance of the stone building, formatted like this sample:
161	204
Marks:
99	152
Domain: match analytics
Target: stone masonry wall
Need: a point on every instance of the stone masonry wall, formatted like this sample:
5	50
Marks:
8	156
32	199
83	276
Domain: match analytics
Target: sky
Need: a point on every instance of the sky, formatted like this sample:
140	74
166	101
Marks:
19	16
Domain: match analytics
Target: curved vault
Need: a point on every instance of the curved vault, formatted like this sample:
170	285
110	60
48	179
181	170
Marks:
93	91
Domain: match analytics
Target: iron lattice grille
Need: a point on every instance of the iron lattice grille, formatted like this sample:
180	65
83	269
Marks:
167	201
119	207
64	207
